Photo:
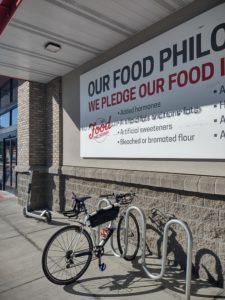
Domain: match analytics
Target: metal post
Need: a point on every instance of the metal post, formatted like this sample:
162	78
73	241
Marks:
107	201
141	212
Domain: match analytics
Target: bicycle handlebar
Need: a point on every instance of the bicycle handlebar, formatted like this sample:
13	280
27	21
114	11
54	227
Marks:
107	196
122	198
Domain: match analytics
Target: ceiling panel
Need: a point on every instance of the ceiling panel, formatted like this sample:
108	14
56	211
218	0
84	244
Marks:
34	43
66	22
83	28
37	64
23	73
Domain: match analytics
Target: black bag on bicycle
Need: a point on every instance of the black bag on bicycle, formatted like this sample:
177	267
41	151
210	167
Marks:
104	215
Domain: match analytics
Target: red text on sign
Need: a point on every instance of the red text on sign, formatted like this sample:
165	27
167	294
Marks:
97	129
193	76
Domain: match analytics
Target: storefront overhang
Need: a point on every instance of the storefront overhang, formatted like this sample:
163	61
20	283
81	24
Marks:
41	40
49	38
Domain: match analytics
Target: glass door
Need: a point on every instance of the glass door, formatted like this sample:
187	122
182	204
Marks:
10	159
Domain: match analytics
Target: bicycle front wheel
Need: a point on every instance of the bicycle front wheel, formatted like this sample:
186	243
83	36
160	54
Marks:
133	237
67	255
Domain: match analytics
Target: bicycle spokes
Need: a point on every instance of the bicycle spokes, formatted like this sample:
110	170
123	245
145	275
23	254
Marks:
67	255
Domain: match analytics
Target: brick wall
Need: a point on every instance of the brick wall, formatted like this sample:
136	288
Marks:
39	139
23	124
31	124
37	124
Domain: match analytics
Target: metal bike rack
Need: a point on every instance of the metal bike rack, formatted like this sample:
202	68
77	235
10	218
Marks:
107	201
164	253
143	244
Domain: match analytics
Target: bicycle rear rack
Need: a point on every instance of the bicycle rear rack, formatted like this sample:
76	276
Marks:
165	242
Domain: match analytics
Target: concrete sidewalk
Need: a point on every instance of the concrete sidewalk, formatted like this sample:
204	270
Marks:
21	277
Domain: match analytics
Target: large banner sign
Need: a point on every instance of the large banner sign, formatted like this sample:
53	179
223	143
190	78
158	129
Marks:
162	99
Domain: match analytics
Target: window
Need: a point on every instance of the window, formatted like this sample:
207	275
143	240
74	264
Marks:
8	100
14	116
14	90
5	94
5	120
9	118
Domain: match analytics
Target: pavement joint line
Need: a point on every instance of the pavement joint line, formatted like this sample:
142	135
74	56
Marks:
43	229
21	233
22	284
10	237
31	232
11	214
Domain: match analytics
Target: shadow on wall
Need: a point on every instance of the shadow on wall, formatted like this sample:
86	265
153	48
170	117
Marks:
55	191
218	281
203	257
54	123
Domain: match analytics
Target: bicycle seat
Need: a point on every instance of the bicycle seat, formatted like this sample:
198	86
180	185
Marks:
82	199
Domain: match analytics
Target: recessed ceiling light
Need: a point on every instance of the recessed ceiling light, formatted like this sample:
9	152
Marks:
52	47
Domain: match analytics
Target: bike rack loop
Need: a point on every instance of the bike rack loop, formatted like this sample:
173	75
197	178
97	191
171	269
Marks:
164	253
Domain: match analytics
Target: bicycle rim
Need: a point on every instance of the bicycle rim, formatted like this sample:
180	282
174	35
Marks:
133	237
67	255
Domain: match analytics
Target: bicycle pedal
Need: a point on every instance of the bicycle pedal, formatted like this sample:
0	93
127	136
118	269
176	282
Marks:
102	267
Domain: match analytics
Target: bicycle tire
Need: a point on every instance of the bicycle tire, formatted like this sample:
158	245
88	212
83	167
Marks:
59	261
133	237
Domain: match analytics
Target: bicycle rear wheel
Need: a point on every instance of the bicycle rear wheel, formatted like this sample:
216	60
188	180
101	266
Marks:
67	255
133	237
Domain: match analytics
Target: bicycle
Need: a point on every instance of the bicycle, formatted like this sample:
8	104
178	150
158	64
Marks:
69	252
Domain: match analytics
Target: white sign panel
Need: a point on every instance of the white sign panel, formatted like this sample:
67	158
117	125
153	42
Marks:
162	99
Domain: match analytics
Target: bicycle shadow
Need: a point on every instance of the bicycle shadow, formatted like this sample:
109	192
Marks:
133	283
215	279
173	246
136	283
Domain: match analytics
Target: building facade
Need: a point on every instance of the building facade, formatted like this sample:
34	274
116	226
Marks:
53	130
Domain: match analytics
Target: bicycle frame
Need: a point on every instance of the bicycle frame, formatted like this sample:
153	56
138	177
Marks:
95	232
95	239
